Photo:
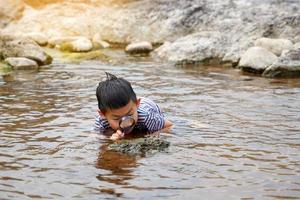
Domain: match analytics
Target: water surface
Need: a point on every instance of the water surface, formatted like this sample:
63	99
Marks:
234	135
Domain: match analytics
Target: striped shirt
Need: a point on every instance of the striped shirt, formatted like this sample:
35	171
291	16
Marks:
150	118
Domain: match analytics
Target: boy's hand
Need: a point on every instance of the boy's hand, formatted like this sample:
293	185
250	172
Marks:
117	135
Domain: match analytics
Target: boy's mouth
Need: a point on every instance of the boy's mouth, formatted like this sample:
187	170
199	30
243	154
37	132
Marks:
126	124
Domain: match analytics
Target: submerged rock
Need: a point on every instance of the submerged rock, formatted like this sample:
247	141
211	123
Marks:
288	65
256	60
139	146
21	63
139	48
275	46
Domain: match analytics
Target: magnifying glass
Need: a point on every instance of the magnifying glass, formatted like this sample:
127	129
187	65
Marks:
126	124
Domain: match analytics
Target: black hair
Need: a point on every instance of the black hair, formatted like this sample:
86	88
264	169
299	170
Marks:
114	93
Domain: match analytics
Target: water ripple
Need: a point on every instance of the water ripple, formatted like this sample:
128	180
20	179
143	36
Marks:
234	135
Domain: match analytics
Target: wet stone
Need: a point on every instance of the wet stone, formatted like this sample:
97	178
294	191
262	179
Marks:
140	146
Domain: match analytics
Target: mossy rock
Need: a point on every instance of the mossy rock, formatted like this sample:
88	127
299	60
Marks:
5	68
140	146
66	46
75	57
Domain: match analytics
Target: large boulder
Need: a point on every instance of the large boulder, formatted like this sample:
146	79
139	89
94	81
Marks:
20	47
275	46
256	60
288	65
202	47
21	63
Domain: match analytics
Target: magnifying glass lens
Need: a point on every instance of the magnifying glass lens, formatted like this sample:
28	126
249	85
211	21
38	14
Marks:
126	124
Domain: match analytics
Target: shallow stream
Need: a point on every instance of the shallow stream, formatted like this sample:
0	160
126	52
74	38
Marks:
235	136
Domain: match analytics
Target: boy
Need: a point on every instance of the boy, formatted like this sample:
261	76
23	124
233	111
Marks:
117	100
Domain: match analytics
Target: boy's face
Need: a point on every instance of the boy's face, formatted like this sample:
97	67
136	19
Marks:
114	116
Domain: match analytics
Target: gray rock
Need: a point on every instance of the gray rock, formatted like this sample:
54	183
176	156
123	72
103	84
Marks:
275	46
202	47
139	47
140	146
256	60
288	65
21	63
20	47
297	45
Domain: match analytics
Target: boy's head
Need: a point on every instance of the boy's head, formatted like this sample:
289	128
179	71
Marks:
116	99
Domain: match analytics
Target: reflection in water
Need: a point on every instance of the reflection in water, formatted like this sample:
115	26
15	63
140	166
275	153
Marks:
235	135
120	165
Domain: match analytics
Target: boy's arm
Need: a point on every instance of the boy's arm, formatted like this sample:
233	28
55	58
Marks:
119	135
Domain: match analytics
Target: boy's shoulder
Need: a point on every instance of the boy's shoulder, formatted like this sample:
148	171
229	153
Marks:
150	116
100	123
148	106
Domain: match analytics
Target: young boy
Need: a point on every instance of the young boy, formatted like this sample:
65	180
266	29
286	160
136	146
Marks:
117	100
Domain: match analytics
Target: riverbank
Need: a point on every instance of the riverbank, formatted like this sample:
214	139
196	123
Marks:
181	32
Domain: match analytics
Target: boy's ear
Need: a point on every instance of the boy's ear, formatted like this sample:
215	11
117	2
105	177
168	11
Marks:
138	102
101	114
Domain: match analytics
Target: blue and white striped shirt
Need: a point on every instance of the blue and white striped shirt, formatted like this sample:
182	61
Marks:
150	118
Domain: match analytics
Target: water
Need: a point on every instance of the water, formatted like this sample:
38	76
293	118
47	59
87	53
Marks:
234	136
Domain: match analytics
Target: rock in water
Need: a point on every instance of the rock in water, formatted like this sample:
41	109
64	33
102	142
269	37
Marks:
81	44
200	48
11	46
256	60
139	48
288	65
21	63
139	146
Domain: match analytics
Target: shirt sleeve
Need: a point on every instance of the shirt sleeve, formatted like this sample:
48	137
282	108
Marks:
98	126
154	121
